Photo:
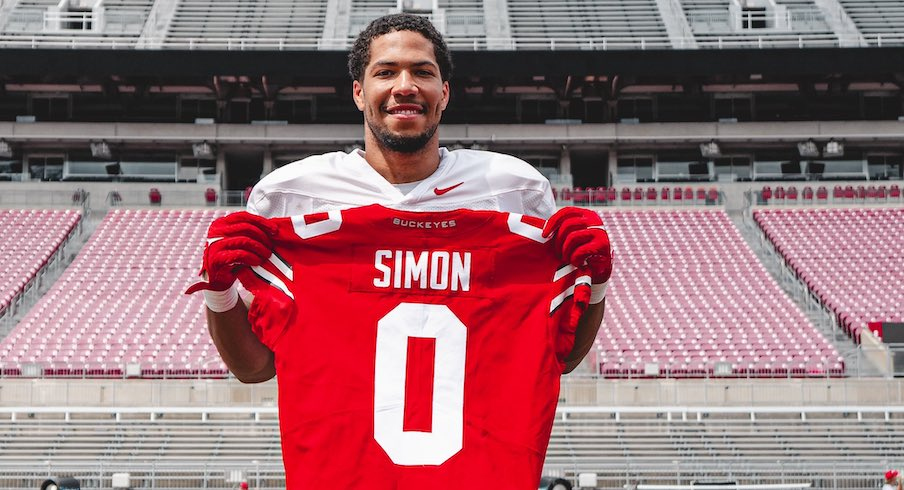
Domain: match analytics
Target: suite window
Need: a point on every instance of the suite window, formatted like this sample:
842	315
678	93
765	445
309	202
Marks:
883	167
731	168
635	169
46	167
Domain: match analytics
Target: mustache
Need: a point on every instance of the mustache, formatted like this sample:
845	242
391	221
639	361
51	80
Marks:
385	107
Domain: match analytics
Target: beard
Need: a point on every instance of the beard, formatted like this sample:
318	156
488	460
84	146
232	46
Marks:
399	143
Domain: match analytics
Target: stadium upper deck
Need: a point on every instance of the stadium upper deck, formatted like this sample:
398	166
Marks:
474	24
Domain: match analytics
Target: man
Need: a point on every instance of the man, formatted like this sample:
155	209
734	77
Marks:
400	68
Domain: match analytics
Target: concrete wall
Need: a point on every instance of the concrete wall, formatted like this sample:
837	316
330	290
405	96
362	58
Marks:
17	392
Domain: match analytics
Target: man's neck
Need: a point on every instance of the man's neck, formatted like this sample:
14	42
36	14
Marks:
400	168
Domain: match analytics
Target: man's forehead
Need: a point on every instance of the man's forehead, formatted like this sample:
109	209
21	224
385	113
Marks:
392	62
402	44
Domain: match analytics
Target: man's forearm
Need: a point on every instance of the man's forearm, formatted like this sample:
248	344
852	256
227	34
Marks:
585	334
244	354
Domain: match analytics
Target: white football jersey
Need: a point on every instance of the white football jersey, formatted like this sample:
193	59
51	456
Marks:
469	179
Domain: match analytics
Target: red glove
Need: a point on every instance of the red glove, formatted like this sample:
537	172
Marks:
234	241
581	238
271	313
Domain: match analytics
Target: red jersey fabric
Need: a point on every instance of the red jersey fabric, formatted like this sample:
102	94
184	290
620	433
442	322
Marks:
415	350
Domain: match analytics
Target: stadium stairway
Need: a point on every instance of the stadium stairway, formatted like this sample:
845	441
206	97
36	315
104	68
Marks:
854	359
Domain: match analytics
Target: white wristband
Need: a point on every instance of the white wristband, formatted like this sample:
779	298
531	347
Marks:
598	292
220	301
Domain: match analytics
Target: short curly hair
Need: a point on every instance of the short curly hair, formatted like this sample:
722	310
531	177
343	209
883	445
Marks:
359	56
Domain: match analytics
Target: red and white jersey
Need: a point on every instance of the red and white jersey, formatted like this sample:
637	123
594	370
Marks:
415	350
465	179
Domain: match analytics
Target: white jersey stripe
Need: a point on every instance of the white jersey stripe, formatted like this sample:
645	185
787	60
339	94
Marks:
564	295
563	271
273	280
282	266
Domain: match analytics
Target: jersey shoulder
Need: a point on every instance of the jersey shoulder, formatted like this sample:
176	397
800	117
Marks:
288	177
507	170
303	186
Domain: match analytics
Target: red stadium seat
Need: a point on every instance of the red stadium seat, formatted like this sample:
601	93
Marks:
600	195
651	194
638	194
712	196
849	192
894	192
766	193
676	196
613	195
872	193
701	195
779	193
210	196
688	194
154	196
665	194
625	194
807	194
566	193
822	194
837	193
791	194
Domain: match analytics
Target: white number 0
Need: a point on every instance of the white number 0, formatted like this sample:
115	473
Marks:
410	448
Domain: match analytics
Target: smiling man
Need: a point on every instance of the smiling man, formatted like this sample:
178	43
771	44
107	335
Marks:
400	68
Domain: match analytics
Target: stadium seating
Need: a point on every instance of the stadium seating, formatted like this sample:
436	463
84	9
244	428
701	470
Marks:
584	24
637	196
688	293
120	303
874	18
713	25
464	21
122	20
648	443
262	22
28	241
852	260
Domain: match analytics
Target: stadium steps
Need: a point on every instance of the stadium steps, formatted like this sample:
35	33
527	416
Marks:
853	359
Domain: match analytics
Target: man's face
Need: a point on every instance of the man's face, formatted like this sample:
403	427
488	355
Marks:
402	94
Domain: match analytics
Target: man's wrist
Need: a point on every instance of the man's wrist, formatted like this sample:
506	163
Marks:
598	292
221	301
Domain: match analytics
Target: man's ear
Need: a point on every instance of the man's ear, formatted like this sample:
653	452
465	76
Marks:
358	94
445	101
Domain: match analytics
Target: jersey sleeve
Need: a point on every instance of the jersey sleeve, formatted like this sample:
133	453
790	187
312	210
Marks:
566	308
273	308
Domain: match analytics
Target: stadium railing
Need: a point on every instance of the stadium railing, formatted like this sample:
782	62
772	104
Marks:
480	44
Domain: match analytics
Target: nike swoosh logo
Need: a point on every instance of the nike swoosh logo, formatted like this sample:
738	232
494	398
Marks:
440	192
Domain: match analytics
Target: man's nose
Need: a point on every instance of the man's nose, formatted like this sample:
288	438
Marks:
406	84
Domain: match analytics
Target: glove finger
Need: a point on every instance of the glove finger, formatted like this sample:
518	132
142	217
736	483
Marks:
566	230
250	280
246	217
241	220
601	257
560	216
231	257
246	230
572	242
